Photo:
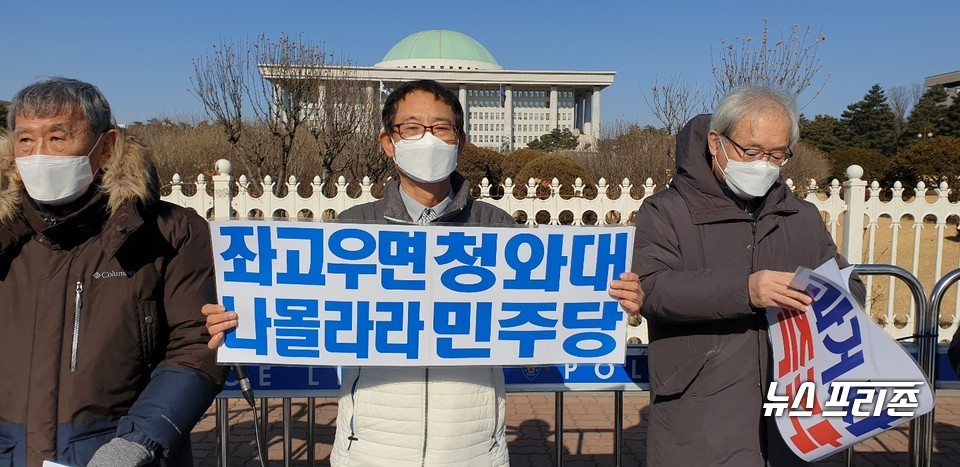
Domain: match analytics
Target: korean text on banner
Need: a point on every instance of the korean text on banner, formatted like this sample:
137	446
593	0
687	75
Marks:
390	295
838	377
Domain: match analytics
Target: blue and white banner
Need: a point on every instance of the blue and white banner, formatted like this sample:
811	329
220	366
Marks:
398	295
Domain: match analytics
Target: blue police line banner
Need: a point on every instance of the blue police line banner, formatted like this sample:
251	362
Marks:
838	377
400	295
303	381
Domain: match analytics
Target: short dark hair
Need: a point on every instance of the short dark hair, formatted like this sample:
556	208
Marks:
426	85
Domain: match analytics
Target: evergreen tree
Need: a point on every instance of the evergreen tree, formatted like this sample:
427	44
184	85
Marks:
927	116
3	116
556	140
821	132
950	125
930	160
870	123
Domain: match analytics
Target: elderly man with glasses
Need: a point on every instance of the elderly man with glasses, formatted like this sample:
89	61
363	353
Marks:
713	251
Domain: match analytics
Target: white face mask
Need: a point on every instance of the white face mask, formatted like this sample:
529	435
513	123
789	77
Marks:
426	160
56	180
749	180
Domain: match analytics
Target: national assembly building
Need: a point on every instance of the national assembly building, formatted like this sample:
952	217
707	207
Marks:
503	109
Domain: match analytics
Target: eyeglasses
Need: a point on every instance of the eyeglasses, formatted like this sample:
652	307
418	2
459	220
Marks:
411	131
754	154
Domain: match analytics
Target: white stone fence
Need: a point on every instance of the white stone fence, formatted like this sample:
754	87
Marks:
616	205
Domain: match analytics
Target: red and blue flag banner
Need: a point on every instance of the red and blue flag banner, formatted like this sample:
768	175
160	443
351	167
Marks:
838	377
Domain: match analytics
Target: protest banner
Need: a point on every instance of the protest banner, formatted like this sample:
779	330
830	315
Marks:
838	377
402	295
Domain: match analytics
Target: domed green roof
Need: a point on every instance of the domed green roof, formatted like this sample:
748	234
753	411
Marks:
439	44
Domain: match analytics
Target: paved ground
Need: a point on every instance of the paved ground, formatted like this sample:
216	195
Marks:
588	435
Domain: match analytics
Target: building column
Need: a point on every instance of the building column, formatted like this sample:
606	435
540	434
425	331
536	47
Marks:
595	114
554	111
508	116
466	112
583	113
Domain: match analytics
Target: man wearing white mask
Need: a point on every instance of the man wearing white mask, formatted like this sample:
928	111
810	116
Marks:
103	357
423	416
712	251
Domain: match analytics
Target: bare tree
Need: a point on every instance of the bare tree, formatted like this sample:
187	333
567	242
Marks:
789	64
282	102
902	99
344	132
220	82
674	103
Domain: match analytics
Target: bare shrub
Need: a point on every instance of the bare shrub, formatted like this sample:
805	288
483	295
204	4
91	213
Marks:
564	169
629	151
808	163
182	148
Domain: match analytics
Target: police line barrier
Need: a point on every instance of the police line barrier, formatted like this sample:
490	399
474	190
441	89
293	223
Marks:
288	382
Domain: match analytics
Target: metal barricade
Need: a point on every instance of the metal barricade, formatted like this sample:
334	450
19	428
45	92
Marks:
921	428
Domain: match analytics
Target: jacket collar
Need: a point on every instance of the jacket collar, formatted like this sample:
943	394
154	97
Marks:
396	211
706	199
70	230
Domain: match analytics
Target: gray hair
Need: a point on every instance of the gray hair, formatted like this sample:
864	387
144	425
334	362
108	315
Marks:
59	95
741	103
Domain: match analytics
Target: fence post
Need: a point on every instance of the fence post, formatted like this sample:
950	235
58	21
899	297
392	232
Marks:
855	191
222	198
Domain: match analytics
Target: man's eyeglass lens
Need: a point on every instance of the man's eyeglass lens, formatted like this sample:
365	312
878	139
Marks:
415	131
753	154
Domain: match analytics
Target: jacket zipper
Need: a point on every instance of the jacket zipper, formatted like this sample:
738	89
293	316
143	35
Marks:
426	402
762	319
353	402
77	305
496	412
